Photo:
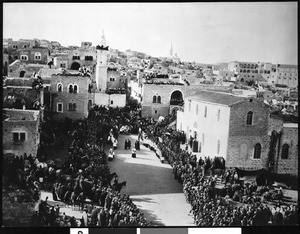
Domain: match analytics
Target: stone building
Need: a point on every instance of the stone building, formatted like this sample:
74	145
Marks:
21	131
22	69
111	86
161	99
38	55
287	157
83	56
75	93
70	95
5	63
247	71
238	129
284	74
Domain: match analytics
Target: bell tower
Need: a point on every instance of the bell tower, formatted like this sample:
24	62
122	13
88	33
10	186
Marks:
101	67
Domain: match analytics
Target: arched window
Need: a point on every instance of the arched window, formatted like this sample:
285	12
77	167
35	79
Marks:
249	118
59	87
37	56
257	151
205	112
24	57
154	99
75	89
70	88
285	151
159	99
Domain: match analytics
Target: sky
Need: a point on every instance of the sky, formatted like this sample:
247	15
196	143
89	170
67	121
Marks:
200	32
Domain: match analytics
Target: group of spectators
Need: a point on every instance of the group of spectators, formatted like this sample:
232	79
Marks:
23	171
236	203
84	180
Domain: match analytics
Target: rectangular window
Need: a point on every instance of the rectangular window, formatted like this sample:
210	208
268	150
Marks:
59	107
16	136
22	136
19	136
111	102
72	106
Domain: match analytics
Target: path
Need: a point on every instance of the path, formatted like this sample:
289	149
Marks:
151	186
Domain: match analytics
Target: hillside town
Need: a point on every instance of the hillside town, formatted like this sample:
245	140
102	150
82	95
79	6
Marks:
68	110
98	137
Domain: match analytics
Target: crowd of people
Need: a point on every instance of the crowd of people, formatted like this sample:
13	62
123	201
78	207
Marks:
236	203
85	177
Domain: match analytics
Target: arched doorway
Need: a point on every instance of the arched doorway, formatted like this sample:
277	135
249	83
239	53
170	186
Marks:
22	73
75	66
176	98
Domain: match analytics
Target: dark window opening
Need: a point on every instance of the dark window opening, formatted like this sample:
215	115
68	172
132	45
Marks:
154	99
249	118
285	151
22	73
159	99
257	151
16	136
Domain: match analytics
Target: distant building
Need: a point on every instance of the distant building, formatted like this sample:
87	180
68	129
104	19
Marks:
246	71
38	55
284	74
21	132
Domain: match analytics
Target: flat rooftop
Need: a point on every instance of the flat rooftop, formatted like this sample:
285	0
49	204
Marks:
20	115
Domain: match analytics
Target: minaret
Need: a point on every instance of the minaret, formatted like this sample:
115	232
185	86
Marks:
171	51
101	67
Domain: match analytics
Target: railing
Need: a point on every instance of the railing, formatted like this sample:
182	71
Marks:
177	102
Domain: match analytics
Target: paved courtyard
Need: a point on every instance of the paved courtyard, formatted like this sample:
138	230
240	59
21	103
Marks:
151	185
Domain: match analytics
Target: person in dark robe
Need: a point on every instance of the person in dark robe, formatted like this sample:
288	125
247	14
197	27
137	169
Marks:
129	144
103	218
137	145
54	194
126	144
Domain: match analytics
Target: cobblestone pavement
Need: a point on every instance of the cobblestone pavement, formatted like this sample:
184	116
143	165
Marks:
151	185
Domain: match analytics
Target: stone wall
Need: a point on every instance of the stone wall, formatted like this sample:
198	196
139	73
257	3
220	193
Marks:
165	91
290	137
29	146
242	138
81	98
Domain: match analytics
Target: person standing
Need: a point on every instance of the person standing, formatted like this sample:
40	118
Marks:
115	143
133	154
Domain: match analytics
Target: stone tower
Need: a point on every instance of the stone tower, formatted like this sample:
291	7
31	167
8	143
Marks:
101	67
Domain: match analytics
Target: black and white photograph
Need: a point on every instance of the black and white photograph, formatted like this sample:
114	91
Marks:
150	116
